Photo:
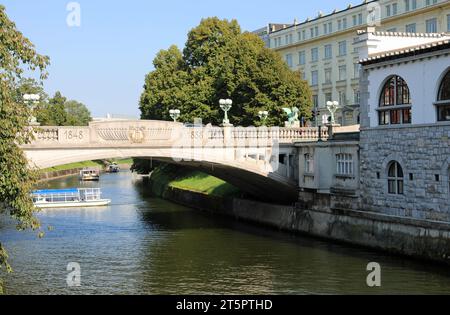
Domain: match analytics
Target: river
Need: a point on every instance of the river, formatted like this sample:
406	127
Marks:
144	245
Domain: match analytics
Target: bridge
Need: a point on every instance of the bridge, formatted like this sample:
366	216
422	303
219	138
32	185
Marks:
259	161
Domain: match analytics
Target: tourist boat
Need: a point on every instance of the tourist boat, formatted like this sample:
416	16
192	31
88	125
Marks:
113	168
69	198
90	174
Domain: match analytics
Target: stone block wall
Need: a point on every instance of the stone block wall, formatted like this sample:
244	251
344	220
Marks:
424	153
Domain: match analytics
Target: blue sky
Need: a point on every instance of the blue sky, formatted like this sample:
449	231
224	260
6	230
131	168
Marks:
103	62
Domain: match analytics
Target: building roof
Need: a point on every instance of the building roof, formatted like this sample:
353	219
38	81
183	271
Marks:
323	16
407	52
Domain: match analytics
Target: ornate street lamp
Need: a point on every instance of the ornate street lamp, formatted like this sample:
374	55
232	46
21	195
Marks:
263	115
32	100
332	108
175	114
226	105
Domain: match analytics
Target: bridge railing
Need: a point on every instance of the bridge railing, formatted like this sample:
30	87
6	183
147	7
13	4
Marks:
148	134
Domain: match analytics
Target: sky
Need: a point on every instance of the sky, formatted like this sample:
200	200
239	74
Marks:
103	61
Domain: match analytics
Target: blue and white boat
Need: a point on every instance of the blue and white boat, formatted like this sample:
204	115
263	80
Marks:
69	198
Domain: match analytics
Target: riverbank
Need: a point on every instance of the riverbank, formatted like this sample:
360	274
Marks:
408	237
75	168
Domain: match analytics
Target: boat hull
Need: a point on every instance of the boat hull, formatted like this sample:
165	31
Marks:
75	204
90	178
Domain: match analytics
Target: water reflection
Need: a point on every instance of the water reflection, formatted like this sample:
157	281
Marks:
143	245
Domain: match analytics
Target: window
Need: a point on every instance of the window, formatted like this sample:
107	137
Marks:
431	26
357	96
411	28
344	163
343	48
301	58
355	20
388	10
328	97
314	77
339	25
448	179
407	5
328	72
356	69
342	98
360	18
344	23
430	2
414	4
328	51
315	99
448	23
330	27
396	99
309	163
443	104
342	73
289	60
394	9
395	179
315	54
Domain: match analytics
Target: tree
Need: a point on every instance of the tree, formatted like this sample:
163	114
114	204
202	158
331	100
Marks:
17	54
52	113
219	61
58	111
77	114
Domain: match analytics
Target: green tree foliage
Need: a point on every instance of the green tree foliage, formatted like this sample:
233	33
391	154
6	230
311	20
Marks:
219	61
77	114
52	113
17	54
58	111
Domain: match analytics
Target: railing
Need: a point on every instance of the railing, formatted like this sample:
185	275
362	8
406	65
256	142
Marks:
146	133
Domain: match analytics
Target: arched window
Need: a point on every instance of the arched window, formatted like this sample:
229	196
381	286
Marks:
443	104
395	179
395	102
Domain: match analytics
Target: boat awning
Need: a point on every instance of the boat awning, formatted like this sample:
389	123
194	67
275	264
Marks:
55	191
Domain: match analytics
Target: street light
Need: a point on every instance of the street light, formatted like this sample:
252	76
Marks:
175	114
332	108
32	100
263	115
226	105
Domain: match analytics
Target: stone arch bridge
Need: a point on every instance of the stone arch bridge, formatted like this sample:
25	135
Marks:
259	161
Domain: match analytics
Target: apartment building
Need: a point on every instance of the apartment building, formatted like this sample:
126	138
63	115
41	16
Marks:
322	48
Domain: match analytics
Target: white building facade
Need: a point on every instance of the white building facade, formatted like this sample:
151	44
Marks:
405	125
322	48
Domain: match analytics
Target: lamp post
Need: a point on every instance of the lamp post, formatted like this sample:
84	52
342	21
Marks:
226	105
32	100
175	114
263	115
332	108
